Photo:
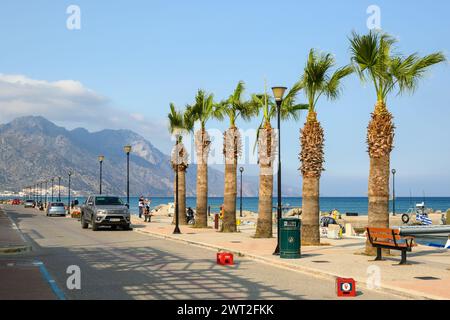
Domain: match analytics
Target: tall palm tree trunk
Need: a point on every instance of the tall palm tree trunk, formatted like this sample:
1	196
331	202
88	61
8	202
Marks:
310	211
380	138
201	220
312	158
264	223
202	145
229	216
182	194
231	151
266	148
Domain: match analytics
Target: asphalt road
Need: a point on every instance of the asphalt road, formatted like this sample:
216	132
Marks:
130	265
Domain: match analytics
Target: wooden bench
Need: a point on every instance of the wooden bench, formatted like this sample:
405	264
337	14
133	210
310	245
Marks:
385	238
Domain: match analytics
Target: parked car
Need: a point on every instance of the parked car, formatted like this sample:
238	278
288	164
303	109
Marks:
56	209
29	204
15	202
101	210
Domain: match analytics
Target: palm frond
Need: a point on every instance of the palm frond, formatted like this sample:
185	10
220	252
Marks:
333	86
372	58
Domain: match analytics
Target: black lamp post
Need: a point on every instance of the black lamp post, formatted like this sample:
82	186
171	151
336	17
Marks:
53	180
393	191
40	192
241	170
100	160
176	160
127	150
68	194
278	93
59	189
46	192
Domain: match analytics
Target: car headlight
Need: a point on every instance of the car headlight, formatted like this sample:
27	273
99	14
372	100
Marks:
101	212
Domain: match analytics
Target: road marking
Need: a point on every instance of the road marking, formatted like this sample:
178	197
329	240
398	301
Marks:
56	290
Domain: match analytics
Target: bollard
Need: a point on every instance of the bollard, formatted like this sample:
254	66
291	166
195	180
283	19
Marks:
209	211
216	221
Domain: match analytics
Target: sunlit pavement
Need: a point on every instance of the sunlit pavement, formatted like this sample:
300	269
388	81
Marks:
427	276
131	265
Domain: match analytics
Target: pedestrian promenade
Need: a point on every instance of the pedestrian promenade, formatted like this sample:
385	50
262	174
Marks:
426	277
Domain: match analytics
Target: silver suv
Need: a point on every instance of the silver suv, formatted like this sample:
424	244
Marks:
101	210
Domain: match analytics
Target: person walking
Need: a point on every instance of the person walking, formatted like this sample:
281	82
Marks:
141	206
147	214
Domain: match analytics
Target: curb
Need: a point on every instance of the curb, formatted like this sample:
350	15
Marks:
15	249
404	293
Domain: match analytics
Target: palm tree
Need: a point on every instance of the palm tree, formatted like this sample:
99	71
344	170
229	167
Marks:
180	123
374	61
267	149
203	110
316	82
233	107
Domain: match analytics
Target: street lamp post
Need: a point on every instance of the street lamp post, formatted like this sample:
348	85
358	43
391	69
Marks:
100	160
53	180
393	191
241	170
59	189
278	93
176	160
40	192
127	150
68	194
46	192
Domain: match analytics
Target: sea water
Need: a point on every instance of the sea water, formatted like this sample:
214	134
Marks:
342	204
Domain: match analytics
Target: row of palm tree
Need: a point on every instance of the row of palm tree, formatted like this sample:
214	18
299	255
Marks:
372	58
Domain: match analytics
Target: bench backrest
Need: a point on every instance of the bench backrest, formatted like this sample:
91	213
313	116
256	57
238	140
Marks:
383	235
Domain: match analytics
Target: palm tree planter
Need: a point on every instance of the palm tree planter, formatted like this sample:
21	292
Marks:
373	60
267	141
316	81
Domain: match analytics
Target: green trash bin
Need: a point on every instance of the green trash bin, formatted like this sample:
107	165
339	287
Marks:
290	238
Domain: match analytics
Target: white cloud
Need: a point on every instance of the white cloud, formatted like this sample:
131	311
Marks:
69	103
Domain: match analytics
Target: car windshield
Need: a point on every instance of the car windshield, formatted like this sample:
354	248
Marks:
30	201
108	201
57	204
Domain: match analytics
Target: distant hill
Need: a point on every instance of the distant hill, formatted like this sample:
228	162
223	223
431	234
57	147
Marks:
34	148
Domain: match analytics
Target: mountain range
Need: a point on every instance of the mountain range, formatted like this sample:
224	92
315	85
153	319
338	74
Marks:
33	148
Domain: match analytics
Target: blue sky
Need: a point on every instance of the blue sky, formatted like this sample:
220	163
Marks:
131	58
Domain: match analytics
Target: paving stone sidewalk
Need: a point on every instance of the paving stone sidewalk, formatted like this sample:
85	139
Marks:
426	277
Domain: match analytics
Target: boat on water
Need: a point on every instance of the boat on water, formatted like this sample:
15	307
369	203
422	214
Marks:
425	233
